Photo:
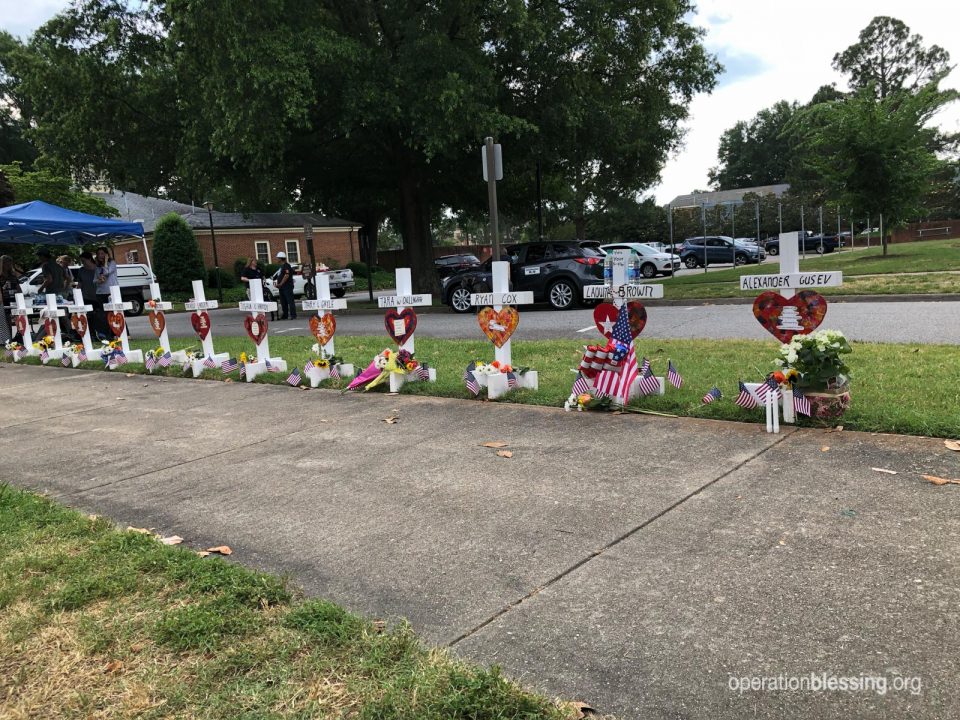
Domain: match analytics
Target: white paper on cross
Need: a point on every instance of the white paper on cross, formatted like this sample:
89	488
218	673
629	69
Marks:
161	306
25	310
790	279
256	305
50	311
117	304
501	296
78	308
198	304
621	289
324	304
402	300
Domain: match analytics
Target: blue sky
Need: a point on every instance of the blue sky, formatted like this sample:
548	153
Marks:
772	49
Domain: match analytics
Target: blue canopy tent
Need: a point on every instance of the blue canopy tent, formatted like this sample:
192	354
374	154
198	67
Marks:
40	223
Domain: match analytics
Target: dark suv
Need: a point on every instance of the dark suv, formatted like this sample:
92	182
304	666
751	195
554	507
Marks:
716	250
808	243
555	271
449	264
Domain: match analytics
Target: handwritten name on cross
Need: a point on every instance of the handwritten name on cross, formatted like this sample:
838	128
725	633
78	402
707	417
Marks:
622	288
401	301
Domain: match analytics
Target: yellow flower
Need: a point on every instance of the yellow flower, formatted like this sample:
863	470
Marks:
243	357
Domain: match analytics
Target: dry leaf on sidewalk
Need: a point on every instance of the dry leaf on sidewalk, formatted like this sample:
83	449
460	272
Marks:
825	448
952	445
581	710
504	453
495	444
939	480
392	420
202	553
142	531
172	540
222	549
884	470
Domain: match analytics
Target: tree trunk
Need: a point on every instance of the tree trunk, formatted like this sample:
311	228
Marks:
415	227
371	220
580	225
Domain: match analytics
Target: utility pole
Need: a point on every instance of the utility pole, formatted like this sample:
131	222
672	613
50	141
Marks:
493	171
539	200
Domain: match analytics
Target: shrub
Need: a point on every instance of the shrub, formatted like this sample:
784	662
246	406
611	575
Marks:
238	266
176	255
359	268
227	279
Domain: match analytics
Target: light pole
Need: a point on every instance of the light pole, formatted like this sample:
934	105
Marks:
216	260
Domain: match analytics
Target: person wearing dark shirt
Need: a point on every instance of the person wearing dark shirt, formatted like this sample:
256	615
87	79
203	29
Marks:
253	272
285	288
52	274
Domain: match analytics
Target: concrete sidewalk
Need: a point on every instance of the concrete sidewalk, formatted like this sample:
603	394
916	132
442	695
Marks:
635	562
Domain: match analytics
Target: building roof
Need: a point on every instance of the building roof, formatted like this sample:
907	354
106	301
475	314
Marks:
722	197
150	209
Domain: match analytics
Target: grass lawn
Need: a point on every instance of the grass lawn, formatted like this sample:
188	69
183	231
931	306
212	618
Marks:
898	388
101	623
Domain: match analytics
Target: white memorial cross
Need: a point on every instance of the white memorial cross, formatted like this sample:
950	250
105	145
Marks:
117	304
787	282
256	306
81	310
50	311
323	305
621	289
498	385
402	300
159	305
25	310
199	303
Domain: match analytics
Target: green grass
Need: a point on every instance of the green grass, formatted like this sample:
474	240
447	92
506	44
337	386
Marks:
97	622
898	388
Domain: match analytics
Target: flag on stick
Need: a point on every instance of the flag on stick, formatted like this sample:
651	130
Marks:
766	387
714	394
150	363
295	378
801	403
745	399
470	380
334	372
165	360
649	383
618	383
209	363
580	386
229	365
673	377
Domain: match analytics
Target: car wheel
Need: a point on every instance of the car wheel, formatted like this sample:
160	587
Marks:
773	251
648	270
460	299
691	262
740	260
562	295
338	292
137	308
820	249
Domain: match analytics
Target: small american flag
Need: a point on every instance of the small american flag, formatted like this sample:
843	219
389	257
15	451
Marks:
334	372
209	362
229	365
44	356
766	387
618	383
714	394
644	366
65	361
150	363
82	356
746	399
422	372
243	371
119	358
271	367
673	376
580	386
649	383
801	403
295	378
470	380
165	360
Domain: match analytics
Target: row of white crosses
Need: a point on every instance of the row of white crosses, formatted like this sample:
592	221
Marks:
501	295
324	306
787	282
621	290
403	300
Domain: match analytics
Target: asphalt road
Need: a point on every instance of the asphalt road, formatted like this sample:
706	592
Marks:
921	322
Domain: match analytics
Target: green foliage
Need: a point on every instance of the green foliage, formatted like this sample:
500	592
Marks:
227	279
754	152
359	268
239	265
54	189
626	220
177	261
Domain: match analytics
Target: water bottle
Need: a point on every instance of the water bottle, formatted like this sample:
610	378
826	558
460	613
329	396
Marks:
608	269
633	270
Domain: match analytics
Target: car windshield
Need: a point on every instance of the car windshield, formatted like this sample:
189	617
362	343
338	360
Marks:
591	250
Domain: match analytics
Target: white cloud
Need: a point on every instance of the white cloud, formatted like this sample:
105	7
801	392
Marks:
793	45
21	18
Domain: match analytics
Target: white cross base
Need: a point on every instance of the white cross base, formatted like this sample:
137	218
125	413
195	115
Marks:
178	356
117	304
318	375
404	299
786	401
199	303
498	385
256	305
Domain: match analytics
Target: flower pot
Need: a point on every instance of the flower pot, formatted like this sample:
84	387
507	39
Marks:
829	401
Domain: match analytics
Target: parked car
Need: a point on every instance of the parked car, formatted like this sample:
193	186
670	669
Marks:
449	264
340	281
134	280
652	262
717	250
556	272
809	243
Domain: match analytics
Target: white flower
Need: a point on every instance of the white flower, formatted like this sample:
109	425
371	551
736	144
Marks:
792	357
315	348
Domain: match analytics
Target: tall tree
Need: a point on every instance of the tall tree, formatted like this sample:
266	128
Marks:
889	59
755	152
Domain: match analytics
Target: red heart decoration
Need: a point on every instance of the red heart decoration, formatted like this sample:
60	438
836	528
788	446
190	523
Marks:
256	326
201	324
116	322
158	322
323	327
22	325
498	325
51	327
400	325
79	323
811	308
605	314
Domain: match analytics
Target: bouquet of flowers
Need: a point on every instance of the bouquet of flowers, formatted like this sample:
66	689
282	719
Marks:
389	361
322	360
586	401
486	370
14	350
43	346
111	353
73	354
815	360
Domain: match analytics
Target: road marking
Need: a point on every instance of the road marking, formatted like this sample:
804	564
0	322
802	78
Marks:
286	330
587	329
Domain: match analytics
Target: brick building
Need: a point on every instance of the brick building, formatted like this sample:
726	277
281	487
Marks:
261	235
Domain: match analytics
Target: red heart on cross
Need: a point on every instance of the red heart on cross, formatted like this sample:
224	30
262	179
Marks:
201	324
51	327
158	322
605	316
811	308
400	325
323	327
22	325
116	322
79	323
498	325
256	326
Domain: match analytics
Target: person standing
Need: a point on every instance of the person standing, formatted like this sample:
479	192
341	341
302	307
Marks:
64	262
106	277
285	288
9	287
52	274
253	272
87	281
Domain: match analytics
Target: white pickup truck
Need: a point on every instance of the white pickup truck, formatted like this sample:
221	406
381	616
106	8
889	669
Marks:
340	282
134	280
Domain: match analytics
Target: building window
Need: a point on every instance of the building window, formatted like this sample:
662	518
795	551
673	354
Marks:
293	252
133	256
263	251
